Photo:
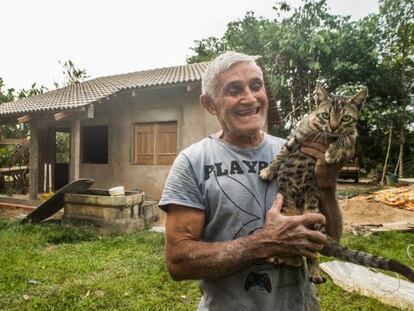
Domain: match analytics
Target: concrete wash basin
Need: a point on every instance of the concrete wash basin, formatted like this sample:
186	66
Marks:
95	207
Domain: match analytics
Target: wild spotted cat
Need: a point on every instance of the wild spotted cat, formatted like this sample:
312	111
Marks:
333	122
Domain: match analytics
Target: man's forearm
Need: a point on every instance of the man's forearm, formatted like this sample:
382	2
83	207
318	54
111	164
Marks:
330	209
209	260
188	257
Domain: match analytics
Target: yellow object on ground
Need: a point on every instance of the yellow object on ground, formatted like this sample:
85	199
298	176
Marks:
401	197
46	195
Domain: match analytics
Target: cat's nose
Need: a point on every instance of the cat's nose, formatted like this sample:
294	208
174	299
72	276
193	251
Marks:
333	127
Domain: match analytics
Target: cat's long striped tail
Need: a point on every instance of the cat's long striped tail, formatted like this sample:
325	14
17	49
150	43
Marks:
334	249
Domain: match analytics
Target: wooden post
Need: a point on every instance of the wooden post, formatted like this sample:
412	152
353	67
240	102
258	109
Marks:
74	150
44	177
34	160
384	170
401	154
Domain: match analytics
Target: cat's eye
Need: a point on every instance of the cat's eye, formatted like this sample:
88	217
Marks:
325	115
346	118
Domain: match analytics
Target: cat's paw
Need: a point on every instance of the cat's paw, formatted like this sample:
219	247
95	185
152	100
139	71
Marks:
333	156
295	261
273	260
317	277
267	174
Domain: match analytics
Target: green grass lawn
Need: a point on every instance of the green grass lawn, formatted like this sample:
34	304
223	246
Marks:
57	267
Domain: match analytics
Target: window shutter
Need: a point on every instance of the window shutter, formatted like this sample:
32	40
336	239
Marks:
166	142
144	144
155	143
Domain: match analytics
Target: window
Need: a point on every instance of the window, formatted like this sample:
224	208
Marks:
95	144
155	143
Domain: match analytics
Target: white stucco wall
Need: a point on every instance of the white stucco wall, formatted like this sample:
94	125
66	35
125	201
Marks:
163	104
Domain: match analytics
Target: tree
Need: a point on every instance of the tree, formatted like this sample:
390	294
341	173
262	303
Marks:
34	90
18	130
5	96
308	44
294	49
206	49
16	155
396	49
71	74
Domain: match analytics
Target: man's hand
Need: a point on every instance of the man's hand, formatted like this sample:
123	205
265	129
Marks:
290	235
326	174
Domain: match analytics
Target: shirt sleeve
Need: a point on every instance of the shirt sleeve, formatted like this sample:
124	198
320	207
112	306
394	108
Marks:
181	186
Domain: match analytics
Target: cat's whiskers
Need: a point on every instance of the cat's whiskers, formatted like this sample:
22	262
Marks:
317	136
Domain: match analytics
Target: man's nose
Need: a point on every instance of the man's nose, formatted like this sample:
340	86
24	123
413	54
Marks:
248	96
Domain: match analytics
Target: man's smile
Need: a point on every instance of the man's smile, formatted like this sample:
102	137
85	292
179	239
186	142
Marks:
249	111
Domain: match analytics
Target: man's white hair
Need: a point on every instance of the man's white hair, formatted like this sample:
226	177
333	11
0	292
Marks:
221	64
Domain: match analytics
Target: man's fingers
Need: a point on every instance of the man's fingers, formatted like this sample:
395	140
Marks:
319	146
274	211
313	149
349	154
315	153
316	237
315	247
310	255
313	218
277	204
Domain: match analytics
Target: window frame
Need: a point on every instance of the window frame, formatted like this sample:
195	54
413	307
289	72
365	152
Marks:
83	149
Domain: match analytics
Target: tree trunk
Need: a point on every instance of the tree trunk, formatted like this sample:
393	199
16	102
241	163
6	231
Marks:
386	157
293	115
397	166
401	155
309	96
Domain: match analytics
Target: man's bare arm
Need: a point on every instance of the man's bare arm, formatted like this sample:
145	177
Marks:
329	208
326	176
188	257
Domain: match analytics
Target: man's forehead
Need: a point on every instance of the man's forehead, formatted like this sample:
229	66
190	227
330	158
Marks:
241	71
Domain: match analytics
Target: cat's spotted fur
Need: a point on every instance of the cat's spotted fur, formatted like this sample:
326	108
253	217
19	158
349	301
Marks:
333	122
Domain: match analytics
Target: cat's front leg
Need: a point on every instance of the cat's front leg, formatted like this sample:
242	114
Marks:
267	174
315	274
334	153
270	172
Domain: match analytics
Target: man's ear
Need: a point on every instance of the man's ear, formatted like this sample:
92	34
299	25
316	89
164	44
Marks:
208	104
321	93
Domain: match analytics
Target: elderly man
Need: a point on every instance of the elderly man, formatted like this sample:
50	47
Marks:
223	222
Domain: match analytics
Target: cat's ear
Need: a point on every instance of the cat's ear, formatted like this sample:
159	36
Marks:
359	98
321	93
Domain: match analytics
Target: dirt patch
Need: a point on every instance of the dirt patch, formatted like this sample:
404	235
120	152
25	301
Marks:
359	210
13	213
18	213
364	185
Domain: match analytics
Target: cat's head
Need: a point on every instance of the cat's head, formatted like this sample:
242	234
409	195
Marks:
337	115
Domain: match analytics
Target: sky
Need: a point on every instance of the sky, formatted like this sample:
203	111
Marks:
108	37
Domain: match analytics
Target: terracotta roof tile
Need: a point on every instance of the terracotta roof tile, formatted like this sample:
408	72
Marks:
91	91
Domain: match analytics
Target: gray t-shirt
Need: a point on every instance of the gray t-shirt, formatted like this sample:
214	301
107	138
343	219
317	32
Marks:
222	180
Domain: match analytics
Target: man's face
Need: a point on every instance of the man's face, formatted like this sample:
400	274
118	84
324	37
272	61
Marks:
240	101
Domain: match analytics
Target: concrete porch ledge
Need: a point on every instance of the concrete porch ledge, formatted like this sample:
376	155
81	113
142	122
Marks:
20	200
